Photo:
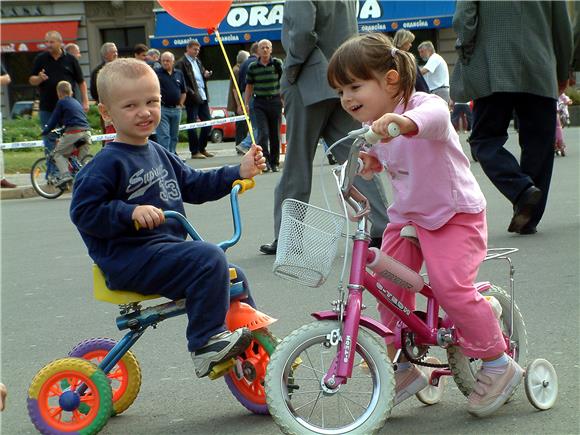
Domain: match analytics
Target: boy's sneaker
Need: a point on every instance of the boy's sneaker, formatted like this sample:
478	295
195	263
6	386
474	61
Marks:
409	382
219	348
491	390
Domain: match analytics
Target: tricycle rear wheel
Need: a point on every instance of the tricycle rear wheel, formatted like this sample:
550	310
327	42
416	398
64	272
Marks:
125	376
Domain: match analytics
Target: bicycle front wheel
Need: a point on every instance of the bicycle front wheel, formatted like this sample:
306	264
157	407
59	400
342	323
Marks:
300	402
43	183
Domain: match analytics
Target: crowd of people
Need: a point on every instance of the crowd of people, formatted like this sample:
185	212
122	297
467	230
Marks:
331	81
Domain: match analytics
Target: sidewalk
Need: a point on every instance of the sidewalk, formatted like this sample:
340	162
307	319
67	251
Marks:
221	150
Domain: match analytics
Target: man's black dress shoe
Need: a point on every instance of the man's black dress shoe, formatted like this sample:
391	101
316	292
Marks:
526	231
524	208
269	248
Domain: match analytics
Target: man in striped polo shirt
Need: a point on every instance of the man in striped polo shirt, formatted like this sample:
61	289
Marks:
263	83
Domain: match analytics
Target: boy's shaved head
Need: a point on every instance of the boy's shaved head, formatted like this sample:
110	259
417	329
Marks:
64	88
114	73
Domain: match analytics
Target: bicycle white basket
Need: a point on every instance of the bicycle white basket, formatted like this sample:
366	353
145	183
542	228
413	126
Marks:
307	243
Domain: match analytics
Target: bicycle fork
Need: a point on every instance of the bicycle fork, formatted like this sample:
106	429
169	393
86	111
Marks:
346	339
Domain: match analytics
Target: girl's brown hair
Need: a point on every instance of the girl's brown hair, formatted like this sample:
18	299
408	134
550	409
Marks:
368	57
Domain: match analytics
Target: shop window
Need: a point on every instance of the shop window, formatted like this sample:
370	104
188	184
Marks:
19	66
125	38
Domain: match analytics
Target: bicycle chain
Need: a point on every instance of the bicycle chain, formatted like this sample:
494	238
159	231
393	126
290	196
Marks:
420	361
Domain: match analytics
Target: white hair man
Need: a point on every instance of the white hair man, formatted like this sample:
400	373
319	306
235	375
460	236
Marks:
435	71
173	94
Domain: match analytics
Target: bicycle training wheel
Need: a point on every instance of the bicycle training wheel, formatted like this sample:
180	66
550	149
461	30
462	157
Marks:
125	376
301	403
541	384
44	185
432	394
246	379
464	368
69	395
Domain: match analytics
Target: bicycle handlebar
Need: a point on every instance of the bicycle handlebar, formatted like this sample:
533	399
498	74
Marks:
238	187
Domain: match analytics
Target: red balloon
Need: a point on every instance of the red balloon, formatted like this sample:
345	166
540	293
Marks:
201	14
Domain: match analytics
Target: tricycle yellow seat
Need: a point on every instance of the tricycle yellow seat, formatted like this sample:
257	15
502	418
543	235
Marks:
102	293
119	297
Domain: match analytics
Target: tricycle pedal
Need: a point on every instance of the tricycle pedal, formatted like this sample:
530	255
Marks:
221	369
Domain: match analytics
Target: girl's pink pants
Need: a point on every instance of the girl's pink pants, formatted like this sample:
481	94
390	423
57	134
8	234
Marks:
452	255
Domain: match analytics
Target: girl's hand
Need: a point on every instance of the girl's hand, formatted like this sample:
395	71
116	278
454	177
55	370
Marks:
253	162
148	216
381	125
370	165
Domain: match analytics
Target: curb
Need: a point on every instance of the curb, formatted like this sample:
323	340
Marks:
20	192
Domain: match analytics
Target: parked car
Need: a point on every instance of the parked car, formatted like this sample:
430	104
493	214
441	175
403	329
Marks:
222	131
23	109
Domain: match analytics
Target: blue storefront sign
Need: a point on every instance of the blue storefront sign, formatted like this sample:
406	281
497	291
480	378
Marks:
246	23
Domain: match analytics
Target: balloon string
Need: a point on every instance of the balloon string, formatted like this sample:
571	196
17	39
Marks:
217	34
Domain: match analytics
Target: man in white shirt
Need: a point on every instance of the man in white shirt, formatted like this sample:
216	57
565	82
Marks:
435	71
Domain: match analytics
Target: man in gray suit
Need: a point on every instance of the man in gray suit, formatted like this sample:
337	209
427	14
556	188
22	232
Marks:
513	56
311	32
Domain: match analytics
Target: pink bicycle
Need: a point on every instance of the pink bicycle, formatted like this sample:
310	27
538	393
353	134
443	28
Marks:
333	376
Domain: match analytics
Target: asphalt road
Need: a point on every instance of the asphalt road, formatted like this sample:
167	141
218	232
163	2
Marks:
47	308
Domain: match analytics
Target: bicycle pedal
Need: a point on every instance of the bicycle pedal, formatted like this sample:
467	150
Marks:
221	369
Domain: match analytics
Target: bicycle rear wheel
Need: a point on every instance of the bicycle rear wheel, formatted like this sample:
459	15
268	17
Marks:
464	368
42	183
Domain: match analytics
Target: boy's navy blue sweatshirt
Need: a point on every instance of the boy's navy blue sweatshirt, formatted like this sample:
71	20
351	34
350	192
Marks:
68	113
115	182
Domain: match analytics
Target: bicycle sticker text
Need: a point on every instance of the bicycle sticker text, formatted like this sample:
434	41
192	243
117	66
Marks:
347	345
393	300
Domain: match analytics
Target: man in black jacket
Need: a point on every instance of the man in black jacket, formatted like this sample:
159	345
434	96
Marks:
196	102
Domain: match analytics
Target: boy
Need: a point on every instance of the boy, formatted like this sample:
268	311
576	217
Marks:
133	179
70	114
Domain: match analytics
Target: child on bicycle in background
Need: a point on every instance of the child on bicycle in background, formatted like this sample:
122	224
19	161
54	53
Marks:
562	120
133	180
69	114
435	191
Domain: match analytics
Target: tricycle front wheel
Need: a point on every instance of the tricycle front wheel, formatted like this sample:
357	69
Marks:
70	395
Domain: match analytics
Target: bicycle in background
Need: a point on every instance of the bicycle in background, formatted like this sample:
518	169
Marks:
44	173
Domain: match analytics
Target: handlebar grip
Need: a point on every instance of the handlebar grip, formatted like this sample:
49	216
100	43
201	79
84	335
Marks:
372	138
393	129
245	184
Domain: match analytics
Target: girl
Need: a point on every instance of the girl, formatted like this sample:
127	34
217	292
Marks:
434	191
562	120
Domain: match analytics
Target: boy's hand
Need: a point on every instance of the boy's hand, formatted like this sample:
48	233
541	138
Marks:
148	216
370	165
381	125
253	162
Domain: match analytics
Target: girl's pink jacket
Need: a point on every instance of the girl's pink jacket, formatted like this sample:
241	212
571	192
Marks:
429	172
